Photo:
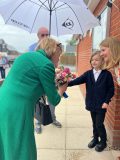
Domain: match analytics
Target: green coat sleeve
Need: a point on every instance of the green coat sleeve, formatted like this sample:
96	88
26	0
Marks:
47	78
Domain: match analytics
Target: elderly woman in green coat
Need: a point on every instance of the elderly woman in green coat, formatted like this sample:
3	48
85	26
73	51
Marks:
31	76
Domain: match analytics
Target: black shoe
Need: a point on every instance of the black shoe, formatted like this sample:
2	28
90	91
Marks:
100	147
93	143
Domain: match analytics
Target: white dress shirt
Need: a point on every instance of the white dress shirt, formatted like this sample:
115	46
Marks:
96	74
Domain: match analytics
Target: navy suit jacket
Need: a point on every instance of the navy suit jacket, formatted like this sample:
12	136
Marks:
98	92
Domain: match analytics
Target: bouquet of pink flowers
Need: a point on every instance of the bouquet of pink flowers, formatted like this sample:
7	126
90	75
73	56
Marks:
63	75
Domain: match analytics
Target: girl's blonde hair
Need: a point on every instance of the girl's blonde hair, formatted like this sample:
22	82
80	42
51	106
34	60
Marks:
114	46
50	46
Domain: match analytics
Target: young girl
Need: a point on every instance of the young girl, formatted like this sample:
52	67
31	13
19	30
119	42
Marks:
110	51
99	91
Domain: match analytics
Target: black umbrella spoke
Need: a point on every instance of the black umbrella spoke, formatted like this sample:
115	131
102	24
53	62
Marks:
15	10
54	4
36	16
43	4
60	7
49	8
76	17
50	4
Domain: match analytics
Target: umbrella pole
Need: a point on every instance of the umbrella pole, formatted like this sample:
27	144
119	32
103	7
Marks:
50	6
50	22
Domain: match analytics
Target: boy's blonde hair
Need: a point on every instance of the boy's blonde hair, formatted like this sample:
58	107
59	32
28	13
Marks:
97	53
50	46
114	46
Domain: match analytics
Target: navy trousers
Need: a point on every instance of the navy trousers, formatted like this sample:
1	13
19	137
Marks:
98	126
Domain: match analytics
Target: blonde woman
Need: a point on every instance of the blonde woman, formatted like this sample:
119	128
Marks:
31	76
110	51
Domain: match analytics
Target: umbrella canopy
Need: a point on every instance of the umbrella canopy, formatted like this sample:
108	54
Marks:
60	17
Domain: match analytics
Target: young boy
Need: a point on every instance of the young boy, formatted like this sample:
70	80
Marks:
99	91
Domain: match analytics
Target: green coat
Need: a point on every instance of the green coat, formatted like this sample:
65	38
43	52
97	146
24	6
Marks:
31	76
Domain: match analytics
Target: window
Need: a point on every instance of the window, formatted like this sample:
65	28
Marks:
102	31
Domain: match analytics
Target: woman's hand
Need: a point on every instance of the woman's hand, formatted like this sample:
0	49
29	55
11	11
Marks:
62	89
104	106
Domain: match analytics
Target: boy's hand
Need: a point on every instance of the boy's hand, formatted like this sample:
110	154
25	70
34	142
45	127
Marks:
105	106
62	89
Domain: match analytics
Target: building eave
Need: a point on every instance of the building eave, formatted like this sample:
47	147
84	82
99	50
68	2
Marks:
92	4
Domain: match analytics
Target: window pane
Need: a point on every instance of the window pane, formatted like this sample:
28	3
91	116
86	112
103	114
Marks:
99	32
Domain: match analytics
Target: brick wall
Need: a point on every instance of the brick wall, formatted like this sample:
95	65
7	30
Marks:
67	59
84	52
114	110
115	21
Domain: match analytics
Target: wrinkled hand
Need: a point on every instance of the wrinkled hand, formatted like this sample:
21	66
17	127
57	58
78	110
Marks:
104	106
62	89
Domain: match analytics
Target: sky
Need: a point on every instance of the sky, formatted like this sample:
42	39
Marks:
20	39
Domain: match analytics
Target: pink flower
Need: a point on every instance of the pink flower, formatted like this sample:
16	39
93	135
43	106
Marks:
67	70
63	74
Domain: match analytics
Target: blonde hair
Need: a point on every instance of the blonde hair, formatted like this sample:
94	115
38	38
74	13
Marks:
114	46
97	53
50	46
